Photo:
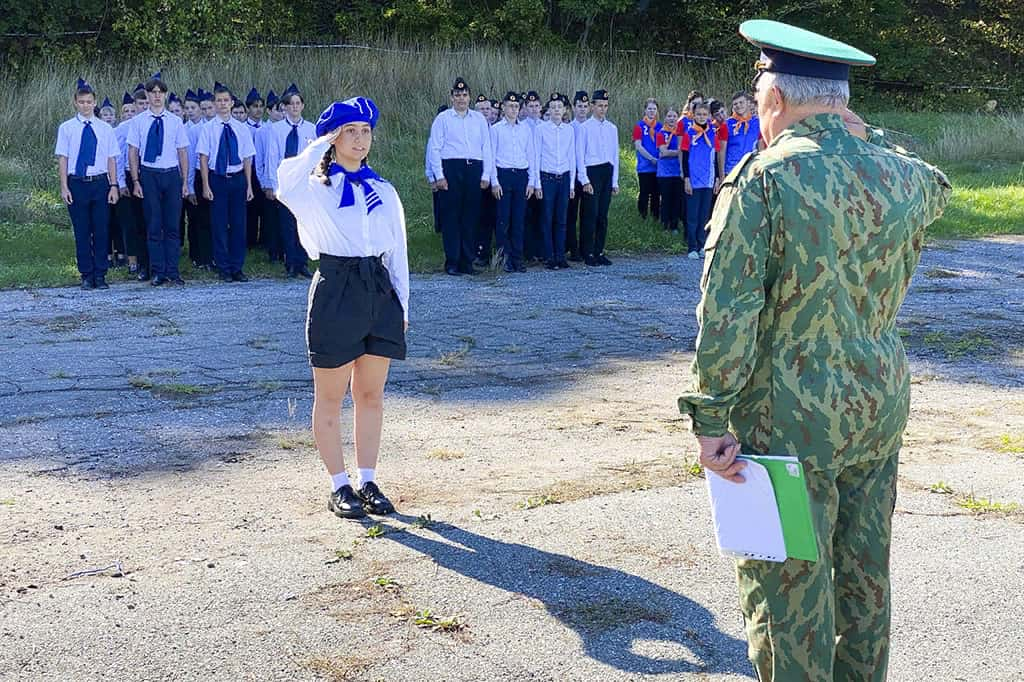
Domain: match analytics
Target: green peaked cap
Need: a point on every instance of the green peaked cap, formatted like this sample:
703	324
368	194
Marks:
797	51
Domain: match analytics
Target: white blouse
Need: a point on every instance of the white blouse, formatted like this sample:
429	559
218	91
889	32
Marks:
348	231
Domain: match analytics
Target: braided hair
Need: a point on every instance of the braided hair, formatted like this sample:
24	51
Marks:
320	172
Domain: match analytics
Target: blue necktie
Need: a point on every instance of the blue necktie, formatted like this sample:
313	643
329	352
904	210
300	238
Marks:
360	176
87	150
291	145
227	150
155	139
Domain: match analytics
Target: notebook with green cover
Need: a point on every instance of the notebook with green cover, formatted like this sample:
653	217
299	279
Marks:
768	516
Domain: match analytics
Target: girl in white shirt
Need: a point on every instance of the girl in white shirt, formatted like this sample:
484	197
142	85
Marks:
353	222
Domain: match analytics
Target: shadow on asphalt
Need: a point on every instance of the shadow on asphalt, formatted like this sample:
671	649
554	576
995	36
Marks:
611	611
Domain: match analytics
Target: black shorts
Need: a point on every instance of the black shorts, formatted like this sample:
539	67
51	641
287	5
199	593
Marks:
353	310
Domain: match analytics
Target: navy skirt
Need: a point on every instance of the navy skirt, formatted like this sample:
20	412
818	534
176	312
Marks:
353	310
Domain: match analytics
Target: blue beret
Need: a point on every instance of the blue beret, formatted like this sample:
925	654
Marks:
355	110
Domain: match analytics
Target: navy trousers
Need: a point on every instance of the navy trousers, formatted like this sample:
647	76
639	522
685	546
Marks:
294	255
512	213
487	224
90	220
553	215
595	210
270	230
228	220
698	211
161	204
460	211
573	218
133	223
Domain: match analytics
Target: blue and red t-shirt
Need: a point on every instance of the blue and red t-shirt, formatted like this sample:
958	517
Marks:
702	144
668	166
742	136
648	134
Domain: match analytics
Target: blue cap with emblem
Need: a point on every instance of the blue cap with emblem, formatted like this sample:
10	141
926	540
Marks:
799	52
354	110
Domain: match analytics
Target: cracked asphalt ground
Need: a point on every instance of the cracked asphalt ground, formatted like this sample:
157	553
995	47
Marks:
162	510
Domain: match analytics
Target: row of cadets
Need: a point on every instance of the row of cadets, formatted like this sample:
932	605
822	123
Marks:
574	219
513	181
226	152
158	163
487	222
197	207
285	139
462	163
131	223
645	141
87	151
597	166
556	177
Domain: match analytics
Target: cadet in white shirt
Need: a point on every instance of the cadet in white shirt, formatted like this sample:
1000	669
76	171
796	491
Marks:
197	208
130	219
597	167
487	222
513	181
532	249
271	227
286	139
87	152
255	230
352	221
225	153
574	215
158	161
556	161
462	162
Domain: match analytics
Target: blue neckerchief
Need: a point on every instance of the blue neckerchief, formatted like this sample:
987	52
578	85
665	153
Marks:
361	176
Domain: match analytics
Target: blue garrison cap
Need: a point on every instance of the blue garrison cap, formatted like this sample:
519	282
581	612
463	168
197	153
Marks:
127	99
106	103
272	99
355	110
253	95
191	96
799	52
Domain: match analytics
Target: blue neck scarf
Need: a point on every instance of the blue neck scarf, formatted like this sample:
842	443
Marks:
360	176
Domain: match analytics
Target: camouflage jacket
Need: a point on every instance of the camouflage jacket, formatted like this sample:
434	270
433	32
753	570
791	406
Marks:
811	249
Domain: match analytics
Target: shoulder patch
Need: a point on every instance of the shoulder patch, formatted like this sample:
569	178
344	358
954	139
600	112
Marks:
734	174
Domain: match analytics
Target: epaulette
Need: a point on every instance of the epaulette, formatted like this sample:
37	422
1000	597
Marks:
738	168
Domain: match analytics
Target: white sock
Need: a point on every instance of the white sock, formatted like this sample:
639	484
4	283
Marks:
338	480
365	476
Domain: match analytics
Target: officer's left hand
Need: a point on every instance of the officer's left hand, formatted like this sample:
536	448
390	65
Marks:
718	454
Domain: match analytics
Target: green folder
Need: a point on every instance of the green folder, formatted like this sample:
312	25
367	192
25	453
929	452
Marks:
768	516
790	486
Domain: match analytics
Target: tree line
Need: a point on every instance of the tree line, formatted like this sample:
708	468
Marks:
946	49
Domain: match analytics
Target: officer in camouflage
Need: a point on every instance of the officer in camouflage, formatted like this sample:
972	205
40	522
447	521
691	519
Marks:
811	249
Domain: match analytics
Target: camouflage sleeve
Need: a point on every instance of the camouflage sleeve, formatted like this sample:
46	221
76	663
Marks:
939	191
733	294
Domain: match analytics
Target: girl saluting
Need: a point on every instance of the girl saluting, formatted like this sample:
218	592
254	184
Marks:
358	310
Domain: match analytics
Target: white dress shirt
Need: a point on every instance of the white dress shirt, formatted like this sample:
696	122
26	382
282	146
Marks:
121	135
556	149
69	141
597	142
277	144
514	148
455	136
350	231
175	138
209	143
193	155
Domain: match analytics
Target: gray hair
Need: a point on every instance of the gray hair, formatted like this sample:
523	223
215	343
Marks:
801	90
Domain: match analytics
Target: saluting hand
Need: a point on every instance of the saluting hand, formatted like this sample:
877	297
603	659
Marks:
718	185
718	454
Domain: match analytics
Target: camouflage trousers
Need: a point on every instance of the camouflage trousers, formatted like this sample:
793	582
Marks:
828	620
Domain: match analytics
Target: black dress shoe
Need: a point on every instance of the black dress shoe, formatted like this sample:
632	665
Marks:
454	272
101	283
520	268
143	276
304	272
374	501
291	274
345	503
510	267
551	265
591	261
239	277
88	283
177	281
158	280
481	262
576	258
601	260
468	271
562	265
225	277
